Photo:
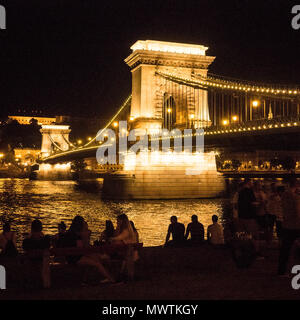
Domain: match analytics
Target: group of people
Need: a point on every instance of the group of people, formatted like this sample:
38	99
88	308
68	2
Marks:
78	235
257	210
194	233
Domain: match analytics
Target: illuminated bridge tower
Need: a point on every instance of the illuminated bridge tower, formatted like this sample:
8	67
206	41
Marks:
54	138
160	103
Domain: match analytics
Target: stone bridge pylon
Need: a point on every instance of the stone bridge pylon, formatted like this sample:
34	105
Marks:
54	138
158	103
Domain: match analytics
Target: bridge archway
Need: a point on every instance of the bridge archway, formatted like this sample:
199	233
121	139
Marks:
169	112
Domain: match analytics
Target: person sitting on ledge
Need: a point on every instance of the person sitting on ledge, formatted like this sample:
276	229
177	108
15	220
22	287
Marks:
215	232
38	241
126	233
77	236
176	229
107	233
196	229
62	229
8	242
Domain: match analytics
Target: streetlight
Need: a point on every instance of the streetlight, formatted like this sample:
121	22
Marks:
89	138
115	124
235	118
225	122
255	103
79	141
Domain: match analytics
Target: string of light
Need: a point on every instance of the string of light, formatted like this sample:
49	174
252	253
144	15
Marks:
221	84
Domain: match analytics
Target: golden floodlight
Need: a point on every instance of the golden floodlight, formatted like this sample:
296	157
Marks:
234	118
115	124
192	116
255	103
89	138
169	110
225	122
131	118
79	141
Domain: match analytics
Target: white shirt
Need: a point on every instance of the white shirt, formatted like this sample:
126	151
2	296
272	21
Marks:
215	231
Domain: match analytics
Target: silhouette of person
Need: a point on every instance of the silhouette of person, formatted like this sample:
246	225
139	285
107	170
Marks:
108	232
77	236
196	229
176	229
8	242
290	225
38	241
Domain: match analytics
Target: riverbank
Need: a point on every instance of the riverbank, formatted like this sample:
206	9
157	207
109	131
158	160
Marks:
203	273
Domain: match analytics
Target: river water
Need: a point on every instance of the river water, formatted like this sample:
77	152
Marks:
22	200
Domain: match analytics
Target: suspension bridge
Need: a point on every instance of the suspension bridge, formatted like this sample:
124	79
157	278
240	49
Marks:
172	89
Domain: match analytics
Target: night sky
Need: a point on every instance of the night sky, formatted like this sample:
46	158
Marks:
67	57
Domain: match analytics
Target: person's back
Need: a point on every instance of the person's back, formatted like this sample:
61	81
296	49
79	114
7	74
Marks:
291	210
178	231
37	240
246	209
215	232
196	229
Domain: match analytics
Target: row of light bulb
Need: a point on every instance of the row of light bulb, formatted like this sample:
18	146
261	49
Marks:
232	85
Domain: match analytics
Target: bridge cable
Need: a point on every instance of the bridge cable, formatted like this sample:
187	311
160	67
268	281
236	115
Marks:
110	122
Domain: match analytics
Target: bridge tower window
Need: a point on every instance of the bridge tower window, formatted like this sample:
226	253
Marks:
169	112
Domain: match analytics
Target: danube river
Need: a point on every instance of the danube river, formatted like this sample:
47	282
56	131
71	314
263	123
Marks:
55	201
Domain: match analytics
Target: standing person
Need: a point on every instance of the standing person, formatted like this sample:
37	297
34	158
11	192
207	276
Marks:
234	203
260	206
215	234
196	229
247	213
176	229
279	213
290	224
8	242
274	209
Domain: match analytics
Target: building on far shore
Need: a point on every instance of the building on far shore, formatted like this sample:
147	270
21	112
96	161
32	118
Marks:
26	120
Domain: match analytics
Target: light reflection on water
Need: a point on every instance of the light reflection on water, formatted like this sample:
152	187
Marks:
21	201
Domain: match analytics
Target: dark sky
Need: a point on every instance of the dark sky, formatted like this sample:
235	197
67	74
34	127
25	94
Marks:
66	57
